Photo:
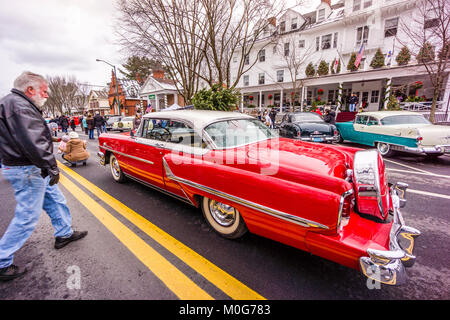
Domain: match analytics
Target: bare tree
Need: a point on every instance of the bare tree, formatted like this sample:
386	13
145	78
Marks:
294	59
426	31
169	31
65	95
196	40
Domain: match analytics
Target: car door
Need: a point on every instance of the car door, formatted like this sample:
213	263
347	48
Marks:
360	127
149	146
184	144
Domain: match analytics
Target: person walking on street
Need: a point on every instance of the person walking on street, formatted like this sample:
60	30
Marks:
64	123
137	121
99	121
73	124
85	125
29	165
91	126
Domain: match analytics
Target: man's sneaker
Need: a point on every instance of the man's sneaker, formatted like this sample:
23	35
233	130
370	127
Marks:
77	235
11	272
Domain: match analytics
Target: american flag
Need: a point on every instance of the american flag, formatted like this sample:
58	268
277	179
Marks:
360	55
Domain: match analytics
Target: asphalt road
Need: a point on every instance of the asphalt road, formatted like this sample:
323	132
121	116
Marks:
119	258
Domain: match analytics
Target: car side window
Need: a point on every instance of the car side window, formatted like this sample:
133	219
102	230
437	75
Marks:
182	134
153	129
372	121
361	119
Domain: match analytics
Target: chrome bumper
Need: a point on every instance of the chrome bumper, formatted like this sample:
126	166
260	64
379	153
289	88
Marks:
388	266
101	155
435	149
325	138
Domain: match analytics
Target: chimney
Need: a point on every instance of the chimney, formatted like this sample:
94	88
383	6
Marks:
158	74
328	2
273	21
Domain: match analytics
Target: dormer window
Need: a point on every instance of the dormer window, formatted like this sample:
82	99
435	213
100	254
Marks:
294	23
321	15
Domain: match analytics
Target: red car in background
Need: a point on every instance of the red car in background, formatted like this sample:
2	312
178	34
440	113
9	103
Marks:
332	201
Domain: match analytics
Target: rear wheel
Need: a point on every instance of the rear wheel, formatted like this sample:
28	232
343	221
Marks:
385	149
224	219
116	172
434	155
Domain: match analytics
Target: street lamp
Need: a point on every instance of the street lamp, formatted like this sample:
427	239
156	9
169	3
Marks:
117	82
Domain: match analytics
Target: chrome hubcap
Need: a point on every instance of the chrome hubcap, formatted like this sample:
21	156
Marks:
383	148
115	169
223	214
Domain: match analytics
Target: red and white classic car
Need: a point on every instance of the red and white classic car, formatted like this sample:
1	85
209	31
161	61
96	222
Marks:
332	201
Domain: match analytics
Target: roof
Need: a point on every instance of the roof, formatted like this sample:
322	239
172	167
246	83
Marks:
199	118
130	88
382	114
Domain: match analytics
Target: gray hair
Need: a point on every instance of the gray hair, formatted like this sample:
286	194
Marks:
28	79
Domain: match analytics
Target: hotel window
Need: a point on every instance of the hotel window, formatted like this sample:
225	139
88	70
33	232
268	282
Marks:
375	96
262	55
390	27
321	15
286	49
430	20
326	41
362	35
282	26
301	43
367	3
261	78
247	59
234	59
330	96
280	75
246	81
317	43
294	23
335	40
356	5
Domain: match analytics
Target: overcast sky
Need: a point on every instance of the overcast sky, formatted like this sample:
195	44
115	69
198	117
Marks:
59	37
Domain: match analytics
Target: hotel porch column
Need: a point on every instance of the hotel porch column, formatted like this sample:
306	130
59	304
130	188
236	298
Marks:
260	100
281	101
387	93
339	97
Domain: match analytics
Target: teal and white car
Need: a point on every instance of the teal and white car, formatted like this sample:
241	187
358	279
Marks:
391	131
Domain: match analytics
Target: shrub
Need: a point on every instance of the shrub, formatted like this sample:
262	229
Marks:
216	98
310	71
351	63
378	60
323	68
403	57
426	53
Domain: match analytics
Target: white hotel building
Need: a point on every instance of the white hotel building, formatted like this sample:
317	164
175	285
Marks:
335	30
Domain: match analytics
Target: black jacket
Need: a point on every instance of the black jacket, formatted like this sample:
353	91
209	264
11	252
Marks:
330	117
24	135
99	121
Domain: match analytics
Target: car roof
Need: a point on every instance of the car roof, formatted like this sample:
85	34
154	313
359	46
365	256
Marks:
200	118
383	114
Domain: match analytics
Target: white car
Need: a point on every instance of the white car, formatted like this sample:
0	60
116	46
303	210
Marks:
125	123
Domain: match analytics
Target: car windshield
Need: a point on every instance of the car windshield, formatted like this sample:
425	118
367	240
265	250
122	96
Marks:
404	119
112	119
233	133
306	117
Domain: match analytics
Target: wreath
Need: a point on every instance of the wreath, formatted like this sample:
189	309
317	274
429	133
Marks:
320	92
418	84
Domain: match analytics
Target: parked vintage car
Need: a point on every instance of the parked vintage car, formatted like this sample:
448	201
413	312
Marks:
307	126
392	131
125	123
332	201
110	119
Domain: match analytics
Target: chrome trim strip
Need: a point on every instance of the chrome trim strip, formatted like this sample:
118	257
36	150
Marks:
272	212
341	205
187	200
106	147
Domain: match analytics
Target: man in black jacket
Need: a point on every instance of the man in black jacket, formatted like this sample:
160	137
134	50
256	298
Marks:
99	121
29	165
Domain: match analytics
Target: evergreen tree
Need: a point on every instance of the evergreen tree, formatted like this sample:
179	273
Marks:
351	63
323	68
310	71
426	53
216	98
403	56
139	68
378	60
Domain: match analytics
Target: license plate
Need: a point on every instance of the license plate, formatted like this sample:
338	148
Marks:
317	139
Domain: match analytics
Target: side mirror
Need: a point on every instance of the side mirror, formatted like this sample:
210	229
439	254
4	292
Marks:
132	134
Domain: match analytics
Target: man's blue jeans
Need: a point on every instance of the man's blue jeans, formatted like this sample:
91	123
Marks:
32	194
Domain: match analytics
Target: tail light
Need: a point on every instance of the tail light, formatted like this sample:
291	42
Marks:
299	133
372	192
335	132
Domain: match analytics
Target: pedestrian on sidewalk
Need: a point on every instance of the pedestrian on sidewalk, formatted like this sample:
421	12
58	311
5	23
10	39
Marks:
85	126
99	121
29	165
90	124
73	124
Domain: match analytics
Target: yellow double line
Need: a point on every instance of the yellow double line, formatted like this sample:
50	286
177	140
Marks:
171	276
